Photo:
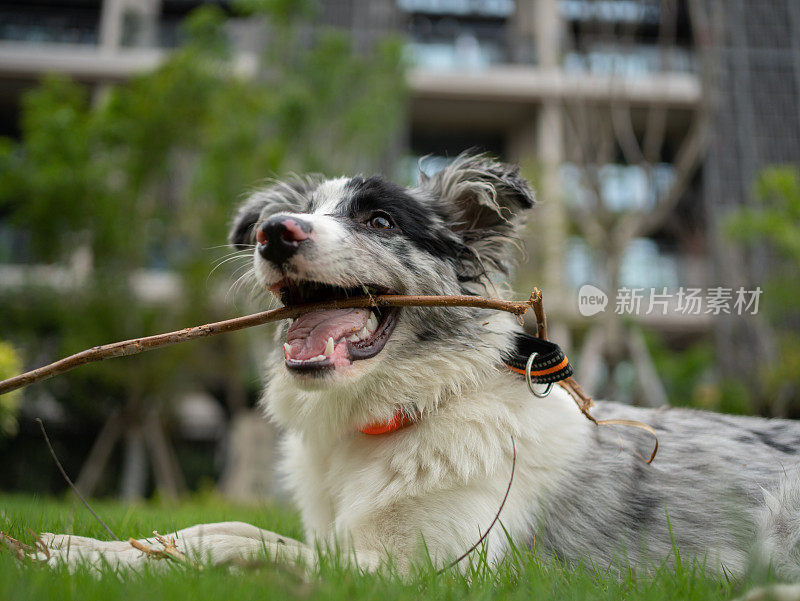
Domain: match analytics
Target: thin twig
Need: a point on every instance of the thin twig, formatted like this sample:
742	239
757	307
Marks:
170	549
535	302
139	345
496	517
583	400
146	549
71	485
21	549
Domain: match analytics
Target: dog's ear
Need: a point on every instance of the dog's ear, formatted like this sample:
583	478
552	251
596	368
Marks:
242	234
475	192
290	196
484	201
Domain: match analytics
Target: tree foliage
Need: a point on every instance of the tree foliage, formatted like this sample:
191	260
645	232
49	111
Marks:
772	224
146	175
10	365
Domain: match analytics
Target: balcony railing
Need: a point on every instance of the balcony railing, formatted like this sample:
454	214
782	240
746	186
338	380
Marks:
479	40
465	52
611	11
630	61
38	27
485	8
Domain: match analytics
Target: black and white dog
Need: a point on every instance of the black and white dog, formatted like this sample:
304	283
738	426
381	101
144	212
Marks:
725	490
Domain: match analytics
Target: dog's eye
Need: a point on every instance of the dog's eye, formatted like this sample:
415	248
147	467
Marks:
380	221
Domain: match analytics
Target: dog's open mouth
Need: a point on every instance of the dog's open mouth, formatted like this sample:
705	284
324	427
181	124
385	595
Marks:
333	338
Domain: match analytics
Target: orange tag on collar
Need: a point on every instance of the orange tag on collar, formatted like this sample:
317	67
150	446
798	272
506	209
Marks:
400	420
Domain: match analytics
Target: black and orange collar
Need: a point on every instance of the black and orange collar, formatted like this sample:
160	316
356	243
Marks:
549	365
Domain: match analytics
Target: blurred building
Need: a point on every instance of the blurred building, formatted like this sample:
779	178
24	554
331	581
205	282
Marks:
534	81
757	123
510	77
488	74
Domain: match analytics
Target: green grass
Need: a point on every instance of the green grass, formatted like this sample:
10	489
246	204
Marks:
522	576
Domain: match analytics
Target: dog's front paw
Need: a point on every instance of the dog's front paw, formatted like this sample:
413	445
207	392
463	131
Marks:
227	543
79	552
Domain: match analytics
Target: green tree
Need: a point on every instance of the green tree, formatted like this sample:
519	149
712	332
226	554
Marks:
773	222
145	175
10	365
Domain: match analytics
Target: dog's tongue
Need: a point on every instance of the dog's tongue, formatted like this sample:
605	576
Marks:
309	333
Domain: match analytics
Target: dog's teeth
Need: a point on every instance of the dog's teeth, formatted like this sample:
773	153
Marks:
329	347
364	332
287	349
372	322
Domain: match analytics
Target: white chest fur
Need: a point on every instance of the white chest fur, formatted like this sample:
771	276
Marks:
442	479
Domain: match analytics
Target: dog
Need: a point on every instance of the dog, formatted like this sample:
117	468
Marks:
403	426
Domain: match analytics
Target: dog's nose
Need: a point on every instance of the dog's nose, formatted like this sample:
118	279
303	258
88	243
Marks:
280	236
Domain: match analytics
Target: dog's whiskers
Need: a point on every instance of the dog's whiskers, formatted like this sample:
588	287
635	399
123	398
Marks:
363	287
222	262
230	259
239	271
239	282
235	253
249	246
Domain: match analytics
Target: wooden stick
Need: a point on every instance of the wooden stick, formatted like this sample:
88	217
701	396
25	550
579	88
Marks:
20	548
583	400
535	301
139	345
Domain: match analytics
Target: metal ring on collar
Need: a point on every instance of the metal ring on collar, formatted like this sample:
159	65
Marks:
528	365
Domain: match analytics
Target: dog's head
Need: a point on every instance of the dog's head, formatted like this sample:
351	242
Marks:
315	239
